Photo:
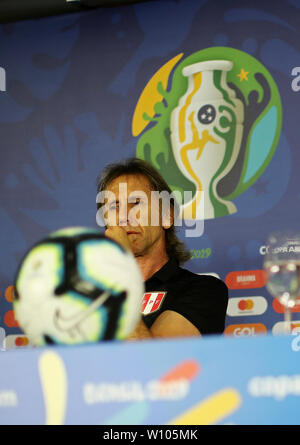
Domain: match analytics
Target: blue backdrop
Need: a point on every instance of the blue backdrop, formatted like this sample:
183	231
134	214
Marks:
70	86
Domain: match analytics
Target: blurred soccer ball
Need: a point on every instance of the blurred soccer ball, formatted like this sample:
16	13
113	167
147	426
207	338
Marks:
77	286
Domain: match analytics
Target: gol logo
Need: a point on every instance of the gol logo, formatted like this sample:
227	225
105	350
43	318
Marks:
245	330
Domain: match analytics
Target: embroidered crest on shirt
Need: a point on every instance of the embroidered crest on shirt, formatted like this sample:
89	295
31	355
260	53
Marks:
152	302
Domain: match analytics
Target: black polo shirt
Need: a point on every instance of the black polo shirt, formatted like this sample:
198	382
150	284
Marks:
201	299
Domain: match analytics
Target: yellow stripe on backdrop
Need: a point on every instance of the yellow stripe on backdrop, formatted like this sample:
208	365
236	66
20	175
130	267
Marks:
54	386
211	410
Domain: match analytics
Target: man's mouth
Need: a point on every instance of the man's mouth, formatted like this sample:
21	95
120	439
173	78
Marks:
131	232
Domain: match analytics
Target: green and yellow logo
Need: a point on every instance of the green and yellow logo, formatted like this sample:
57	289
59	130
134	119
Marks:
210	123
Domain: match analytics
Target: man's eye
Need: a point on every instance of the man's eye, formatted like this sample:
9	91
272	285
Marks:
138	201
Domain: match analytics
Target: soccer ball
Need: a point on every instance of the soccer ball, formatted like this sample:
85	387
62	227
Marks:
77	286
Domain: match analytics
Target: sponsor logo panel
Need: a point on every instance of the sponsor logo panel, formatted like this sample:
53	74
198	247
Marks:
9	293
281	327
245	279
245	330
246	306
280	309
16	341
9	319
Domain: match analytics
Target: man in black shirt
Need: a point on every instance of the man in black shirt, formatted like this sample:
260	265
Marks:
177	302
201	299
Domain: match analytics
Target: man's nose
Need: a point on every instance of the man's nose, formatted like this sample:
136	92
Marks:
123	215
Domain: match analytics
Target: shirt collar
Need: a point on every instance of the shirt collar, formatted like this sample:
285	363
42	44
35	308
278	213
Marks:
165	273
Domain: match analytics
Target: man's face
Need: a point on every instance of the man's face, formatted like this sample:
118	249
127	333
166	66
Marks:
129	206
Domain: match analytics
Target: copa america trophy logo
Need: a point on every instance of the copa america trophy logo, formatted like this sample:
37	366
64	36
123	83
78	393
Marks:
210	125
199	142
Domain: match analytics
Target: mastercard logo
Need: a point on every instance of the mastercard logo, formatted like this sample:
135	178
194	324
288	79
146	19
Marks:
245	330
16	341
246	306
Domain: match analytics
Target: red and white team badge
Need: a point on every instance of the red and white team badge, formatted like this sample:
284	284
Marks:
152	302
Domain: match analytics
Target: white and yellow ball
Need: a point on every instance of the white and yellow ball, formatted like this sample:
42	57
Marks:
77	286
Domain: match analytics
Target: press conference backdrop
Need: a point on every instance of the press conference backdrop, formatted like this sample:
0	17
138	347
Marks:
82	90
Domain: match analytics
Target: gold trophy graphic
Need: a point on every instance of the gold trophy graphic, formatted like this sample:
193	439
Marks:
206	134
